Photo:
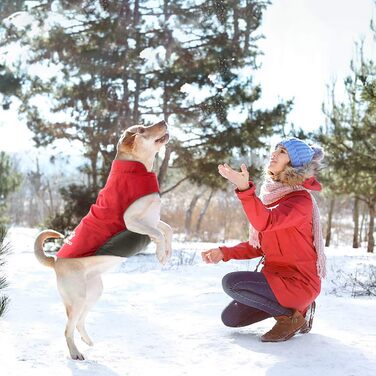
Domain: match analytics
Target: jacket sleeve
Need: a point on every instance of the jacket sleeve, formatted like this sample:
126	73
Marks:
290	212
241	251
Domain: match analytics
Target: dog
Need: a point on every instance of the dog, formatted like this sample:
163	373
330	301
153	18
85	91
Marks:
79	274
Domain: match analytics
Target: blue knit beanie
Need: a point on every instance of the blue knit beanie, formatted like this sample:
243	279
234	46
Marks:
299	152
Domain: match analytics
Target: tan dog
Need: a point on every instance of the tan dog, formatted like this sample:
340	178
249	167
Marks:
79	279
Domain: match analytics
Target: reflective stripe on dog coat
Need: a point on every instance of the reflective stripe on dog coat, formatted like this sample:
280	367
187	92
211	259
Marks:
127	182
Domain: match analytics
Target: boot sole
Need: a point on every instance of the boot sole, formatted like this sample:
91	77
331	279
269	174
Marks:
285	338
308	325
305	329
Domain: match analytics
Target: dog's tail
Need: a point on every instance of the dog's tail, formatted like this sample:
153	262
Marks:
38	247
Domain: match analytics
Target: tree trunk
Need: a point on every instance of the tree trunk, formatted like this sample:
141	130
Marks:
356	243
362	226
236	23
51	206
227	222
136	21
203	211
125	116
248	28
371	239
189	214
94	172
164	166
329	223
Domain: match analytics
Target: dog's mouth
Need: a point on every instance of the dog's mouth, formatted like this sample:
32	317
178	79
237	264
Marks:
163	139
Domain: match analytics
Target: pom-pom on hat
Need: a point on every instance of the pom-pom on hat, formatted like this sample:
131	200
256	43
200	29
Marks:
299	152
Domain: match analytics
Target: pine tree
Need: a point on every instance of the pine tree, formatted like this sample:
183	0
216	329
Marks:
10	83
9	7
126	62
351	140
9	181
4	249
217	61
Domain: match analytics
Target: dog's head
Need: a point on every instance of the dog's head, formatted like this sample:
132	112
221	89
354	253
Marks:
143	141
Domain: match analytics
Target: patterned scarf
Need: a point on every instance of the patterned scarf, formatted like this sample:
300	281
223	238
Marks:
272	191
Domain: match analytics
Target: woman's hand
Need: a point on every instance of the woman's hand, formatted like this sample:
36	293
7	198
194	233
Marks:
240	179
212	256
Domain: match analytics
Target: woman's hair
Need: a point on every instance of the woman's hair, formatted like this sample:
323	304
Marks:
297	175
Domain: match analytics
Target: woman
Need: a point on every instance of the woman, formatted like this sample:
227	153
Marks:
284	229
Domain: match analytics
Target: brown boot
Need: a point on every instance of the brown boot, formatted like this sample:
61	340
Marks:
310	313
285	328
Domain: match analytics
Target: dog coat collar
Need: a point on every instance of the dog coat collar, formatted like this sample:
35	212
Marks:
128	166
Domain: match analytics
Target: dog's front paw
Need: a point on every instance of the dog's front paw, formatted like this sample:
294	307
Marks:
161	256
168	253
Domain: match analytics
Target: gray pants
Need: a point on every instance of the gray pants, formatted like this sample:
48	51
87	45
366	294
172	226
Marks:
253	301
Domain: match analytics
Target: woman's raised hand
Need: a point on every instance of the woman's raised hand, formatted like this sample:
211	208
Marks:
240	179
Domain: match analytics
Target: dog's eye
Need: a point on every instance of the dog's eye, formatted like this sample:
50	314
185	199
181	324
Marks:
140	130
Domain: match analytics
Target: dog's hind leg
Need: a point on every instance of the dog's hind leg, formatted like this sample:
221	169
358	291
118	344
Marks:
72	289
73	313
94	289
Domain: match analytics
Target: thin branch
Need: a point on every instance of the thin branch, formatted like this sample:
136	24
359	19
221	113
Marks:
175	185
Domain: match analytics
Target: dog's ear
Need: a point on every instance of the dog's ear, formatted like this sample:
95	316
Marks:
140	129
134	130
127	138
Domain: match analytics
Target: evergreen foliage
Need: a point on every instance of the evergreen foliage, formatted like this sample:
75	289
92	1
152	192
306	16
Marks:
111	64
78	200
10	83
9	7
4	249
350	139
9	181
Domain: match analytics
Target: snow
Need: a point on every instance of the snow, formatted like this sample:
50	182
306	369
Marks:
154	320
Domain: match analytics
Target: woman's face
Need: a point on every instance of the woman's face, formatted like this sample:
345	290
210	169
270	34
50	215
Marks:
279	160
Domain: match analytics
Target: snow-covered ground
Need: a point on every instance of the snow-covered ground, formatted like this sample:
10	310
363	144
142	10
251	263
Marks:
166	321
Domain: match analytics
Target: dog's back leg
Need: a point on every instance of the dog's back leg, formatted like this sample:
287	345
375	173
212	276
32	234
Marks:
94	289
72	288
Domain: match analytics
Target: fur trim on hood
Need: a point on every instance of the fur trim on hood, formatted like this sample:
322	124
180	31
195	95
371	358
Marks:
298	175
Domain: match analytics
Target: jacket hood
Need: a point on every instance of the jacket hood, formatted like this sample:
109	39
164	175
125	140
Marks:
304	176
312	184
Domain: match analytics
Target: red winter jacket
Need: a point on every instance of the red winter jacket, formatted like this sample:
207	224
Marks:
127	182
286	239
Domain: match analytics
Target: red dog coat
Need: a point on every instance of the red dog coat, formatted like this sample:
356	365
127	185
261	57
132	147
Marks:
127	182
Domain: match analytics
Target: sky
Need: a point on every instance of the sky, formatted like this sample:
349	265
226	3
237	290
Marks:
307	45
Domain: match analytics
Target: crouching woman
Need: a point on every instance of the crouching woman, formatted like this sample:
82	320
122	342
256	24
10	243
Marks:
285	230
